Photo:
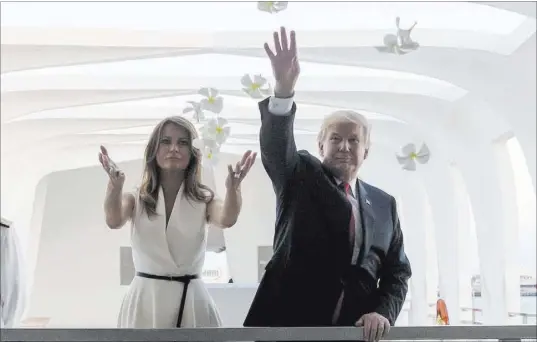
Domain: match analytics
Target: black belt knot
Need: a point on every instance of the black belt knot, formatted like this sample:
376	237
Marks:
185	279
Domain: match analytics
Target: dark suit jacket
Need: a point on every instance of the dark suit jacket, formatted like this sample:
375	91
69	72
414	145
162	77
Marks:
312	261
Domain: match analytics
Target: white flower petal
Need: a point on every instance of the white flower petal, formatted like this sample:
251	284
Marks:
253	93
408	149
205	103
246	81
279	6
223	135
213	92
402	159
198	143
227	131
199	116
211	124
206	134
423	159
424	150
210	143
410	165
260	80
268	91
217	105
204	92
221	122
423	155
265	6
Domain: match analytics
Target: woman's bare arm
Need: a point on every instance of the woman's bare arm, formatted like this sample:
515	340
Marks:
225	213
118	207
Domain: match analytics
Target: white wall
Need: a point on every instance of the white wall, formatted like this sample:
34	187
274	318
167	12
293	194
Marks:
77	271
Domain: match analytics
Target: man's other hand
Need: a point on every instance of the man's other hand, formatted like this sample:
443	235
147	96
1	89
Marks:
375	326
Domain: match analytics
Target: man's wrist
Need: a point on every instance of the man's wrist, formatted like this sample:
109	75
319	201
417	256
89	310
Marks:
283	92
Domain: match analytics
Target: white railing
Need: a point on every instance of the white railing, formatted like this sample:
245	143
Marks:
502	333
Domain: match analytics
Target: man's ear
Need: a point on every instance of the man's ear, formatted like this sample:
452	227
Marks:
366	153
321	150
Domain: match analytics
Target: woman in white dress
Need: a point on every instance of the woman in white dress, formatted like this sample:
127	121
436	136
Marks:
169	214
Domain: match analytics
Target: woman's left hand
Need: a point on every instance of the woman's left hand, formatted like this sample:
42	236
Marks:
237	174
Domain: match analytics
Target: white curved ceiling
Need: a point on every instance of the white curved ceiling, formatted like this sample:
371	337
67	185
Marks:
239	16
76	74
204	25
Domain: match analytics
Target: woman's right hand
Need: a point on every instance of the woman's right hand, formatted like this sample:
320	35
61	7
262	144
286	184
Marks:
117	177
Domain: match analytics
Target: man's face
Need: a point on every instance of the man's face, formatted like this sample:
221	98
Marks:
344	149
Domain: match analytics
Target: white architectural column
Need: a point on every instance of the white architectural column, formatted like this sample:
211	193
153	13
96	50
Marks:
469	261
414	224
511	224
445	206
492	213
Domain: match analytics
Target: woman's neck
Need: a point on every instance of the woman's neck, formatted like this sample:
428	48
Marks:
171	180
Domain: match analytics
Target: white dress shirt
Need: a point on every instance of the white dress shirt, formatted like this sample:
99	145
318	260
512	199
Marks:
283	106
12	289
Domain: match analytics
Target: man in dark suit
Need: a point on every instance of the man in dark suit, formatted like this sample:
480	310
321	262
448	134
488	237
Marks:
338	246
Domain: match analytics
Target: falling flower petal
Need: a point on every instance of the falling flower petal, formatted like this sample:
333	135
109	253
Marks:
198	144
401	159
400	43
212	101
257	87
410	165
217	129
259	80
246	81
213	104
196	108
423	154
208	92
211	154
408	150
271	6
408	156
222	137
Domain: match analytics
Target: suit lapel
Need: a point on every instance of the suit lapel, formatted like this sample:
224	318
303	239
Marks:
367	214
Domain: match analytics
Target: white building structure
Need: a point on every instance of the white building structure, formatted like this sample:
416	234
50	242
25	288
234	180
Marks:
78	75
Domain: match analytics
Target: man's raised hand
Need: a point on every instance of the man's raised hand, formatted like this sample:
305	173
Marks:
284	62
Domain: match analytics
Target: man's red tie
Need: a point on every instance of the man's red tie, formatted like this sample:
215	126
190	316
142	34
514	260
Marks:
352	224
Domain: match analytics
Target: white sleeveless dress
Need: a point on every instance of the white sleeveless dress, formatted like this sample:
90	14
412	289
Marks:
175	250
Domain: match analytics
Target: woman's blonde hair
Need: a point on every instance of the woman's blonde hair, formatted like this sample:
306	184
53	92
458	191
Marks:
193	189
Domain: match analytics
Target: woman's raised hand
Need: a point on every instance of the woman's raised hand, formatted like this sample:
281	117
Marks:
117	177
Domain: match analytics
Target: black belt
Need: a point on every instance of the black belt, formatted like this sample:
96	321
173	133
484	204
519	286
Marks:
181	279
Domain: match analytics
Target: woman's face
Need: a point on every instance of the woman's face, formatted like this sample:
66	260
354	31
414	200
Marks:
174	151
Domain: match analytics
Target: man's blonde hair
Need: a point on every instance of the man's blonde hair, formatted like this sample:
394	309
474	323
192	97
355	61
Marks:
345	116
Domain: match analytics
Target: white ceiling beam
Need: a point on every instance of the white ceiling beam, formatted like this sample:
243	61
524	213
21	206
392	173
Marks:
432	87
460	39
23	57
